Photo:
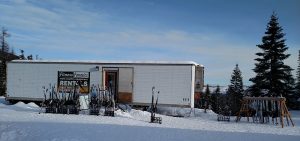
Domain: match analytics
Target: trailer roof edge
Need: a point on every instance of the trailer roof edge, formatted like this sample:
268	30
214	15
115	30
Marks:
108	62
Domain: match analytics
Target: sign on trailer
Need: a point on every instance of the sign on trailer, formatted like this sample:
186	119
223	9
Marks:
69	81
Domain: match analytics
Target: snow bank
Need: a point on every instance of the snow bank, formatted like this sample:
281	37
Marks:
174	111
21	122
31	104
187	112
120	113
21	106
135	114
33	131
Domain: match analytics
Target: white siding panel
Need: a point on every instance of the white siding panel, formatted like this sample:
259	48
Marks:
173	82
27	80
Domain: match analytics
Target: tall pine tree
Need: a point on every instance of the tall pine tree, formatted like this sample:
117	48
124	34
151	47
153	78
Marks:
3	58
215	97
297	88
206	98
294	103
235	90
4	45
272	75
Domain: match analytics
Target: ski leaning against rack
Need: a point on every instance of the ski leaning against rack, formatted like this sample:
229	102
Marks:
153	109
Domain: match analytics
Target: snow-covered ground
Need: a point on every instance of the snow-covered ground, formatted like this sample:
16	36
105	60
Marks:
22	122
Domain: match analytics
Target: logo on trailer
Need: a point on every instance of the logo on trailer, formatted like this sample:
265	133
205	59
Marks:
77	81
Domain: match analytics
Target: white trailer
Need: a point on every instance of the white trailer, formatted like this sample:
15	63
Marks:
132	81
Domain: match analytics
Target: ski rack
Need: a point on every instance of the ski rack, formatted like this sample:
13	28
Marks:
263	108
109	103
67	103
153	109
94	105
101	98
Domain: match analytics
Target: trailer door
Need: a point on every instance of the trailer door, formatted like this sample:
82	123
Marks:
125	90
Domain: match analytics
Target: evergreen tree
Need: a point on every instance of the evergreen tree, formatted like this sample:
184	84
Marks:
4	45
236	82
235	90
2	76
29	57
292	100
206	98
272	75
218	90
289	92
297	87
22	56
215	97
3	59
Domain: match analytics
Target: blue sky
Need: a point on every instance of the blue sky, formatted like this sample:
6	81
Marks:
217	34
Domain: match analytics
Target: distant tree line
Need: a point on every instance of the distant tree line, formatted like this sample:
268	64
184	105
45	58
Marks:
7	54
273	77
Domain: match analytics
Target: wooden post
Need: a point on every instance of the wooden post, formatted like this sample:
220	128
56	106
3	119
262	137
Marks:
281	113
287	114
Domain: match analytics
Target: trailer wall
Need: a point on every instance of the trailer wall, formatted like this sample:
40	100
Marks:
25	81
175	83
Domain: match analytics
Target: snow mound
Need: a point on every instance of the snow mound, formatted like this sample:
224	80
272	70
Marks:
209	114
172	111
31	104
21	106
120	113
3	101
186	112
140	115
134	114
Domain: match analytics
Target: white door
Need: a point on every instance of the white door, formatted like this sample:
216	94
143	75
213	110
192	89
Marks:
125	91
